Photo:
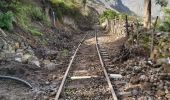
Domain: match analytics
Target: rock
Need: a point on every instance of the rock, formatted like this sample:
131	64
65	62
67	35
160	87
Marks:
166	68
135	92
51	52
54	77
49	65
143	78
146	86
26	57
53	93
125	94
137	69
17	46
2	43
167	96
161	85
18	59
159	33
45	98
160	93
18	55
142	98
47	82
166	91
2	33
150	98
135	80
34	60
30	51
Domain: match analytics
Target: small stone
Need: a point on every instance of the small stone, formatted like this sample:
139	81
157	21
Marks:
17	45
47	82
160	86
54	76
166	91
159	98
135	92
165	87
45	98
52	93
134	80
18	59
160	93
167	96
146	86
26	57
137	69
49	65
143	78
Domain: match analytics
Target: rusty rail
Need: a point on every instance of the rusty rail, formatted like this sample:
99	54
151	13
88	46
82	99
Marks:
105	72
67	71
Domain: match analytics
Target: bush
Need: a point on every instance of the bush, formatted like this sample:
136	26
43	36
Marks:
37	14
62	7
6	20
108	14
35	32
165	25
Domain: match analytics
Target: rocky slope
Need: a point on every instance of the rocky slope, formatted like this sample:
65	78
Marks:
129	6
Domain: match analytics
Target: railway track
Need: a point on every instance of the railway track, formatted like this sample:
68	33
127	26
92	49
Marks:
86	77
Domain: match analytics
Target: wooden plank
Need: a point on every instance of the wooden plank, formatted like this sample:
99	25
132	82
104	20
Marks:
110	65
82	77
106	59
105	72
67	71
116	76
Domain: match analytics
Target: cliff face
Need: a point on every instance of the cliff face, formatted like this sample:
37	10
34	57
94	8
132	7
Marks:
116	5
131	6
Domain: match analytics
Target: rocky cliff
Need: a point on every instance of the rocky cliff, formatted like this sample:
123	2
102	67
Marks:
130	6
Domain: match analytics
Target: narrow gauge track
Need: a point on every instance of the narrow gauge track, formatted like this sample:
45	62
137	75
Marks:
86	77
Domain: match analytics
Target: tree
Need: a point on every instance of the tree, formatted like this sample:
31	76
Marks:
147	14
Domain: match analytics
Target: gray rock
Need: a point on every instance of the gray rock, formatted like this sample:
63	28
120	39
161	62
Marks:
26	57
18	59
137	69
34	60
161	86
49	65
143	78
135	92
160	93
2	43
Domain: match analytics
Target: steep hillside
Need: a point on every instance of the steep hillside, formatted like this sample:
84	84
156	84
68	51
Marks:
127	6
115	5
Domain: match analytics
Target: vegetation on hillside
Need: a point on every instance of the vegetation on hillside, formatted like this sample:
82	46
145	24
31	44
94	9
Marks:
63	7
108	14
22	13
165	25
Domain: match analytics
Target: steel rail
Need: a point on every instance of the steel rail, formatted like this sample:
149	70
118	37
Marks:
105	72
67	71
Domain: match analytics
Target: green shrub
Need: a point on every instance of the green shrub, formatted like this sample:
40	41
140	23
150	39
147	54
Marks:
6	20
165	25
108	14
62	7
37	14
35	32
